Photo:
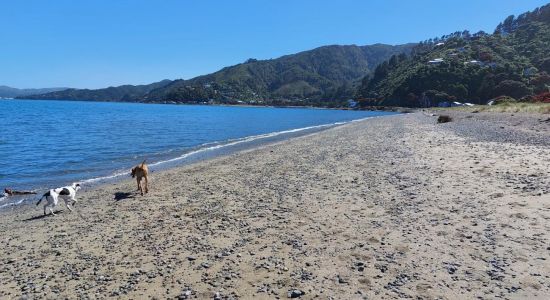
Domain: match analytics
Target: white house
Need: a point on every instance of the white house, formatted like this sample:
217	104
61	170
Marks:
436	61
474	62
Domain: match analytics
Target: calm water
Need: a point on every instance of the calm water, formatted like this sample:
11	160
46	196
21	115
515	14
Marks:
50	143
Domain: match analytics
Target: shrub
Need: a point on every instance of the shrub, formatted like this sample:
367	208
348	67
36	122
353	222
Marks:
542	97
503	99
511	88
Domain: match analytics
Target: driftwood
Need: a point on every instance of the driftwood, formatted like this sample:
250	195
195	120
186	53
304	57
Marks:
11	192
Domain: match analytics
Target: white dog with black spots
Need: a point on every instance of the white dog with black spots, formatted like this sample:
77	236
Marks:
66	193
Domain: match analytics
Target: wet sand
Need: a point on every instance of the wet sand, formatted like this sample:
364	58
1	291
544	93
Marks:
390	207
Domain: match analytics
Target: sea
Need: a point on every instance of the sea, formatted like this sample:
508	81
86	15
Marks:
46	144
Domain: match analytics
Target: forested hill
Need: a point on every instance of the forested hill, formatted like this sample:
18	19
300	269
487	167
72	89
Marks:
9	92
513	61
323	76
130	93
319	76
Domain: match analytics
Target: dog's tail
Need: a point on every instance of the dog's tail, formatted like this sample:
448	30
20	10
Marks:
39	200
43	196
143	163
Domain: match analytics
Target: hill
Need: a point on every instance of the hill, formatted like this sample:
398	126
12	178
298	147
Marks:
10	92
322	76
120	93
513	61
319	76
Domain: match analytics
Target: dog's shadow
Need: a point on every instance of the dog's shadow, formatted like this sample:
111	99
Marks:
119	196
43	216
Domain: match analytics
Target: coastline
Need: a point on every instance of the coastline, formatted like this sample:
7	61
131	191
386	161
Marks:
195	154
393	207
368	108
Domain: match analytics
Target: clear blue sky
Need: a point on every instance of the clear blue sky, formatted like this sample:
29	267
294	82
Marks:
93	44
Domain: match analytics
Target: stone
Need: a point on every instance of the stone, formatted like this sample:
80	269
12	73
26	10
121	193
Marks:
295	293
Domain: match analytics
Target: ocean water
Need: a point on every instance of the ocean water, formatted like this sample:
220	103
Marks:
47	144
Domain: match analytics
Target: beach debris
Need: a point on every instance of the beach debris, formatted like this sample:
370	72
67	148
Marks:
11	192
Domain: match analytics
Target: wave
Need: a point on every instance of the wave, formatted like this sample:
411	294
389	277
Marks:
12	203
103	178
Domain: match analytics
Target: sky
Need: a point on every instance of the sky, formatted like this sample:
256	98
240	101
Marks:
101	43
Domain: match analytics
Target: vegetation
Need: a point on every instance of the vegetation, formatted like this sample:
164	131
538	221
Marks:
326	76
130	93
507	107
9	92
514	61
542	97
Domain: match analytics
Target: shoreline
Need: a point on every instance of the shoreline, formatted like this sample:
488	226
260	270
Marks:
195	154
388	208
368	108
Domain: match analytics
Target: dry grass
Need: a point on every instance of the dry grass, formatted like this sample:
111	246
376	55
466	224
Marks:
518	107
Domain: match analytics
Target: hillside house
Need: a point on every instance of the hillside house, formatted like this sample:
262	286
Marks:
435	61
352	103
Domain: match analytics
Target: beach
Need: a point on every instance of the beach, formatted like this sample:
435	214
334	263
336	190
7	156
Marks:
389	207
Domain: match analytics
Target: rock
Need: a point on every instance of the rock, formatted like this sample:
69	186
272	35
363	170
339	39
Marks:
451	269
444	119
191	258
186	294
342	280
295	293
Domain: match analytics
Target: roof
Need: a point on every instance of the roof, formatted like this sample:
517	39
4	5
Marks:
435	61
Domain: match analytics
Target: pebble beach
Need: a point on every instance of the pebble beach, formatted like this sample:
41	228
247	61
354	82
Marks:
385	208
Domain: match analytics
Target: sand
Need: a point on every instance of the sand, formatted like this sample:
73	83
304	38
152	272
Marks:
391	207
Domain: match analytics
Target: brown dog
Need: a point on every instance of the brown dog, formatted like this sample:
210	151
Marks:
140	172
